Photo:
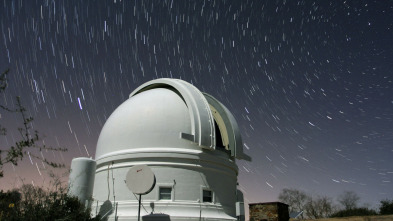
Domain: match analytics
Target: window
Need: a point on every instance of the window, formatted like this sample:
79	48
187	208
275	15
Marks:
165	193
207	196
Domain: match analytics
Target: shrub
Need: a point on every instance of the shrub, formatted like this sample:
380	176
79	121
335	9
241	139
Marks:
355	212
9	203
386	207
34	203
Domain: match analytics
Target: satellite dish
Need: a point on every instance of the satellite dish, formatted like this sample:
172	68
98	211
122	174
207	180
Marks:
140	179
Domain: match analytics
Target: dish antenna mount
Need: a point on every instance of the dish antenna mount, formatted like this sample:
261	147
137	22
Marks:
140	180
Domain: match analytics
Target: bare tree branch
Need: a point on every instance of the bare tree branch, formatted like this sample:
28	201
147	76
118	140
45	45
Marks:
348	200
28	141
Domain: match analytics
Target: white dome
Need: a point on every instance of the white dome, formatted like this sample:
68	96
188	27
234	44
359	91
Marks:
153	118
169	113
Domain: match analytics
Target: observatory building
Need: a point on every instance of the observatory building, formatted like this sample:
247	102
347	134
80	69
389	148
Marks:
188	139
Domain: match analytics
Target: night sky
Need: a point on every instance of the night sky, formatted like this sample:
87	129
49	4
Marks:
309	82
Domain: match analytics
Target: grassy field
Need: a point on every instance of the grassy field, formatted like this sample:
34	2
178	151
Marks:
357	218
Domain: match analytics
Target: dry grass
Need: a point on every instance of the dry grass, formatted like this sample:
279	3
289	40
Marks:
356	218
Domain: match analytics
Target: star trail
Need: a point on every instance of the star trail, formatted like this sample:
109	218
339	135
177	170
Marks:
309	82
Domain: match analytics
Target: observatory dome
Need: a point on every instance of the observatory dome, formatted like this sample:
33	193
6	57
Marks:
188	139
152	118
168	113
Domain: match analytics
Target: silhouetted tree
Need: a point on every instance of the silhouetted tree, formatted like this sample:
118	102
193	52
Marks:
295	199
34	203
348	200
386	207
320	207
28	140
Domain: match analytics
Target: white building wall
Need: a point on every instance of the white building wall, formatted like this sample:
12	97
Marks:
81	179
188	173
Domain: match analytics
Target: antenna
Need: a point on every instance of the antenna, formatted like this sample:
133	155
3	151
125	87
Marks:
140	180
